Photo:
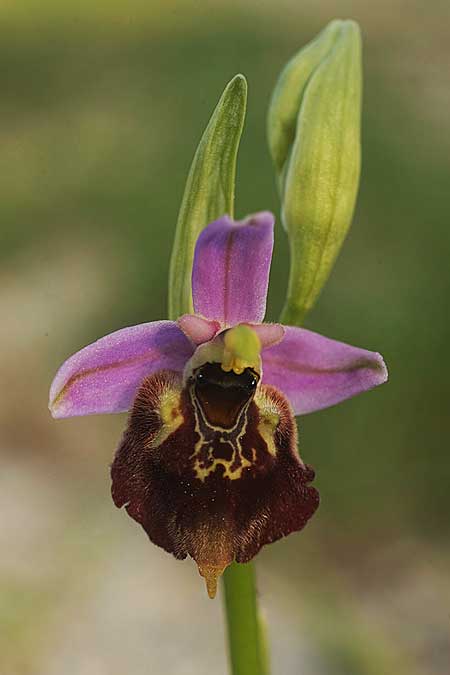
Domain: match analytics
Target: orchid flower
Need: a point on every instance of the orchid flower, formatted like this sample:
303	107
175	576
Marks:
208	464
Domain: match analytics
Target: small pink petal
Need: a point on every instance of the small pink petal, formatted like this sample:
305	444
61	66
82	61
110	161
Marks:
269	333
198	329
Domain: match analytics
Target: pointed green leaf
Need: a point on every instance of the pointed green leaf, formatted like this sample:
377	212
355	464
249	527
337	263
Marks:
209	191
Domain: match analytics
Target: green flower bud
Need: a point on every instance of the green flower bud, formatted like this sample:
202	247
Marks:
209	191
314	139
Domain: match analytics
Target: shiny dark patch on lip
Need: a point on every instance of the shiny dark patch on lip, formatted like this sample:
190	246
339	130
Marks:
222	395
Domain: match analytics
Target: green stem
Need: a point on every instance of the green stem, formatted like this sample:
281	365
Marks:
248	655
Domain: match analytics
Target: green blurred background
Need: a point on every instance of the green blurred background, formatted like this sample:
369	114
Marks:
102	106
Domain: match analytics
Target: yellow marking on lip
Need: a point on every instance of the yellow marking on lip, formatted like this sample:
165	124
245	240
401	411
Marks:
203	472
268	422
266	428
170	415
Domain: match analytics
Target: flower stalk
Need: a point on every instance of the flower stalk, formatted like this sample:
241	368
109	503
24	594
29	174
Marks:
247	649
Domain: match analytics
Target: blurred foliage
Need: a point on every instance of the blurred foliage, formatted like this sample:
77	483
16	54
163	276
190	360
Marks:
102	108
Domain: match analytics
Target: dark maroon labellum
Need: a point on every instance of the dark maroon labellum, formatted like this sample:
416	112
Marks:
212	469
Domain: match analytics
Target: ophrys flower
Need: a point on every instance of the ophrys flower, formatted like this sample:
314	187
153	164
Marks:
208	464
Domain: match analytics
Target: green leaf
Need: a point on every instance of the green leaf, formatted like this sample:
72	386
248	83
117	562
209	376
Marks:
209	191
314	136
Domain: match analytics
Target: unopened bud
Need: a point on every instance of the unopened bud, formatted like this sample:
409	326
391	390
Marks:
314	139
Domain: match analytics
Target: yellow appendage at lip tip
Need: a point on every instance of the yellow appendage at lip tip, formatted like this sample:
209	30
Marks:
242	348
211	575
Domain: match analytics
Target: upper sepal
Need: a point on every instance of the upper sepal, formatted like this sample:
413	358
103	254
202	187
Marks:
231	269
